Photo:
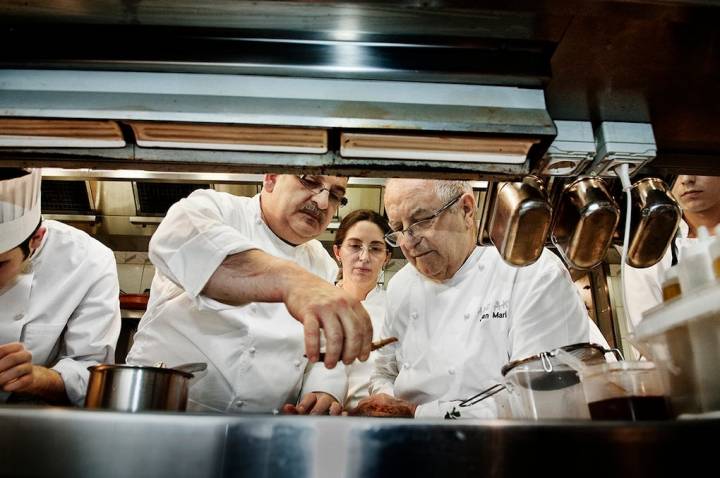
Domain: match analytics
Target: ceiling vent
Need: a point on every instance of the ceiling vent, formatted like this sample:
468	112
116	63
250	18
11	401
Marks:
154	199
27	132
66	197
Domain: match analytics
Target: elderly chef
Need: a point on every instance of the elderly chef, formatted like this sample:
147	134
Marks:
238	283
699	198
59	309
460	312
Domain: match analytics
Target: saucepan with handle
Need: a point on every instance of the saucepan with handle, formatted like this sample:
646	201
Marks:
135	388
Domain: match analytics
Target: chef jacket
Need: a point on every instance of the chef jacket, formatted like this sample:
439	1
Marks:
455	336
643	287
359	372
64	306
254	352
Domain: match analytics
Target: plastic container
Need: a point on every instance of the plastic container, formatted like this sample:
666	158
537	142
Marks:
683	338
543	387
696	267
625	390
671	284
714	250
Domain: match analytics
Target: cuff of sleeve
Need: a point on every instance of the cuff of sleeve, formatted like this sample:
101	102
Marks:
429	410
331	381
75	375
200	257
386	388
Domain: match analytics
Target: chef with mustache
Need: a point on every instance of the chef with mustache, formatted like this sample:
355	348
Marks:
243	285
699	199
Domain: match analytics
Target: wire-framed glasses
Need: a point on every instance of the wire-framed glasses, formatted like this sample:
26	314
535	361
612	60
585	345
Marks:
416	228
312	184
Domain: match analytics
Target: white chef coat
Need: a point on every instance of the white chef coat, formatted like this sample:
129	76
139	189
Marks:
254	352
456	336
359	372
643	287
64	307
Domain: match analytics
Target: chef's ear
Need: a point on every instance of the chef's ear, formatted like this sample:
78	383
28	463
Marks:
336	251
269	182
37	238
467	203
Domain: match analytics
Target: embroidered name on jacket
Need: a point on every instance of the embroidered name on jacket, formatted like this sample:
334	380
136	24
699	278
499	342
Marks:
496	310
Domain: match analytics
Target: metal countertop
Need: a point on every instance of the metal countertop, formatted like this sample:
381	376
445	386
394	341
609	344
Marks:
82	443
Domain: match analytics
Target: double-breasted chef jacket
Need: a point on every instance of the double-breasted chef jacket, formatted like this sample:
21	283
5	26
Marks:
254	352
455	336
64	306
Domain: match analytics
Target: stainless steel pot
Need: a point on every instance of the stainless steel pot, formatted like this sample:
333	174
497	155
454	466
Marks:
131	388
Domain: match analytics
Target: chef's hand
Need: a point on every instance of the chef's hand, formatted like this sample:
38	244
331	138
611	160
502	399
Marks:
19	375
16	369
383	405
314	403
348	330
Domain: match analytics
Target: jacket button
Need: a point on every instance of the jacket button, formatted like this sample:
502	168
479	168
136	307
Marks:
251	350
451	371
413	315
239	404
19	317
406	365
297	362
467	315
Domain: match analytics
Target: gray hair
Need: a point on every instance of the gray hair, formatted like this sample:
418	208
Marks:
447	190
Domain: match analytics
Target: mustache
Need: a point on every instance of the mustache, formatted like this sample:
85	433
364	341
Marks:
312	209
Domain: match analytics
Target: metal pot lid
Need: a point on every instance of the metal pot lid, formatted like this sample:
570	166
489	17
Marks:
585	351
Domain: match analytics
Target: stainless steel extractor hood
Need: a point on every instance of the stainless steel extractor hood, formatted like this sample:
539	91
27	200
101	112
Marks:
259	124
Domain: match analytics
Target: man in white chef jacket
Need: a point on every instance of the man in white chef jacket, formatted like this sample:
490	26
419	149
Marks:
59	309
239	281
699	199
459	311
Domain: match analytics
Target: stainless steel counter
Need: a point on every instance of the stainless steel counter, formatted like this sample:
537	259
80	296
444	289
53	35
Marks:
81	443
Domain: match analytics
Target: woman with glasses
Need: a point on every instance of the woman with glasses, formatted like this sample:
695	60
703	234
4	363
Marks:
362	253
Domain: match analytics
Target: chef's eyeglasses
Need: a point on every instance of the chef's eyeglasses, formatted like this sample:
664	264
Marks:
373	250
393	238
315	186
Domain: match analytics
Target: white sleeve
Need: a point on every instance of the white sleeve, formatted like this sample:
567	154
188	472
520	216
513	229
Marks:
92	330
382	379
546	309
194	239
495	404
319	378
643	289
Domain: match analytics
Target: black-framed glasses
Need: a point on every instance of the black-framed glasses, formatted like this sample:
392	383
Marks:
393	238
313	185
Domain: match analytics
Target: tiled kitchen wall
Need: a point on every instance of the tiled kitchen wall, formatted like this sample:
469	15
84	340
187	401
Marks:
135	271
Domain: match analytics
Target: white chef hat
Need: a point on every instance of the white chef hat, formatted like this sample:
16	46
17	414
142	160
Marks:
19	206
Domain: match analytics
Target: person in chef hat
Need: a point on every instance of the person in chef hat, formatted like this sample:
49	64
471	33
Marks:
59	309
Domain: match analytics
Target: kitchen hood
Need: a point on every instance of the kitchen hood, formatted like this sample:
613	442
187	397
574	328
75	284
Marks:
253	124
